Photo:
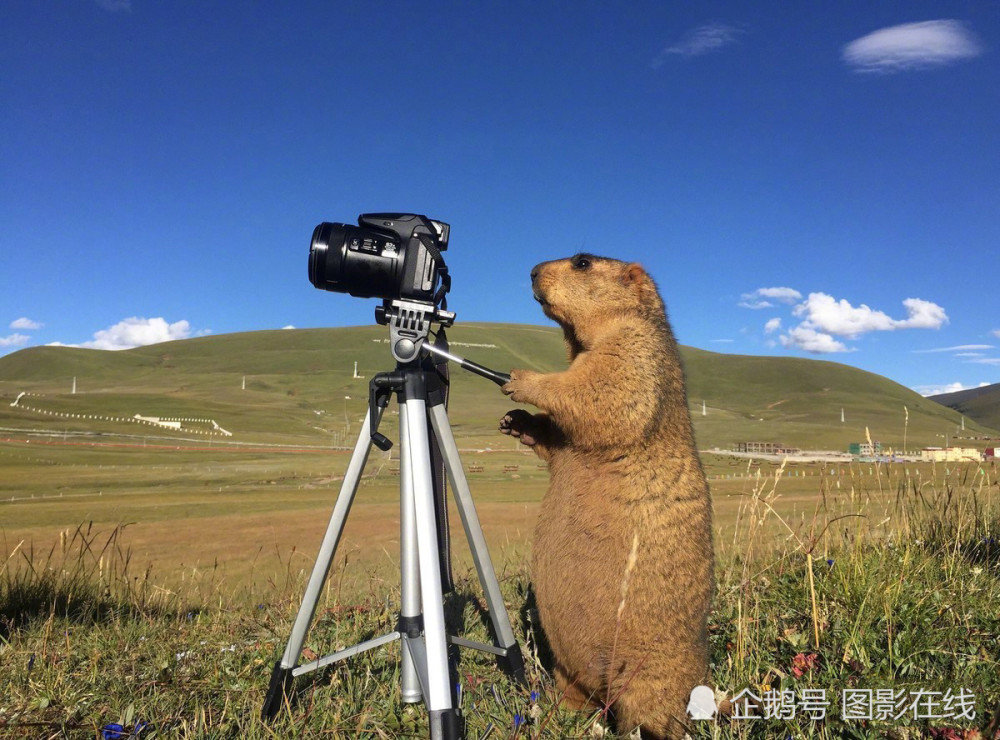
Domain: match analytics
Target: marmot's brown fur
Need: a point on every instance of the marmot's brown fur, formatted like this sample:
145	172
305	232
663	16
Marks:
623	560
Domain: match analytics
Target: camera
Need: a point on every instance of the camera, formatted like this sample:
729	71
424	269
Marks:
393	256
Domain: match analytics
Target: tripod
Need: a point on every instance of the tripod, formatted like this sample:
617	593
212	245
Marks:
425	672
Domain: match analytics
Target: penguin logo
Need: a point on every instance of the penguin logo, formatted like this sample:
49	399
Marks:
702	703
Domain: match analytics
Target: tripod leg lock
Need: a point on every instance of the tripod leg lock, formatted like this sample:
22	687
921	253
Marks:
380	388
412	627
278	691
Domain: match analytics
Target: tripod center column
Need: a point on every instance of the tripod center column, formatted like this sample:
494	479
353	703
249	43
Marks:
435	638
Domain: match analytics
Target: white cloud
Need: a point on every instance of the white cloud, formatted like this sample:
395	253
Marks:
996	333
937	390
762	297
288	327
951	388
840	317
785	295
956	348
986	361
823	312
912	46
822	318
699	41
25	323
137	332
810	340
14	340
922	314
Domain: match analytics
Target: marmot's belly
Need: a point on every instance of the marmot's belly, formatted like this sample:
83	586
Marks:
580	556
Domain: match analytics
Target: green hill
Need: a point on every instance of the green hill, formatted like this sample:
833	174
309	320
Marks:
300	389
798	402
979	404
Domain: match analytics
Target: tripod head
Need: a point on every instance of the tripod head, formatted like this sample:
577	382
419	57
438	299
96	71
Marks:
409	325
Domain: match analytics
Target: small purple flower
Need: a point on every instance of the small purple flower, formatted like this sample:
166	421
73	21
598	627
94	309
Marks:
534	696
113	731
829	562
518	720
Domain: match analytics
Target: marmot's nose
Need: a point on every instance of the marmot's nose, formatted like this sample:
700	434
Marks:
534	272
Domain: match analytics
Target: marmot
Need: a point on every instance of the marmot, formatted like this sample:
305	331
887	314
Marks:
622	558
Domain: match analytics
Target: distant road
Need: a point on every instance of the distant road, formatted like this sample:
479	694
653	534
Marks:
806	456
159	444
197	446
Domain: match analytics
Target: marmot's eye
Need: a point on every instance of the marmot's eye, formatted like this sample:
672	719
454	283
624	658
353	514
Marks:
580	262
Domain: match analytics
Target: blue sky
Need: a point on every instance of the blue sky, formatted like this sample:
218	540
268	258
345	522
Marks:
817	185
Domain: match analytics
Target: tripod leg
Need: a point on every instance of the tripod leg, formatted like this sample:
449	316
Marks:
444	719
513	661
410	623
281	677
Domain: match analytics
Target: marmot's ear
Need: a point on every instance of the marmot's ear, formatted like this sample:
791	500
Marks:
632	274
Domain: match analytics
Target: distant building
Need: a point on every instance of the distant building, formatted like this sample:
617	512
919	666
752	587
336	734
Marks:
950	454
865	449
765	448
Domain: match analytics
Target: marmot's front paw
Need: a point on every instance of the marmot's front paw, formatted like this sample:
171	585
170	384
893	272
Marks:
518	423
519	387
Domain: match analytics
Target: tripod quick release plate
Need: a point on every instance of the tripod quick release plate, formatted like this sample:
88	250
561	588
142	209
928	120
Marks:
409	324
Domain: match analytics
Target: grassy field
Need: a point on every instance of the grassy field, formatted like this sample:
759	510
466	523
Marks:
300	389
172	605
238	517
249	517
151	575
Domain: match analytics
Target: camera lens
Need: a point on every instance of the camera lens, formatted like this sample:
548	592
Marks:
362	262
326	255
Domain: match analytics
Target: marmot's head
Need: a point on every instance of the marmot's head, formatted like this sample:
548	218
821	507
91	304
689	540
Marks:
582	291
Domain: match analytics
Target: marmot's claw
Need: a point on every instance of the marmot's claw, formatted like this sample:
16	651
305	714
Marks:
517	423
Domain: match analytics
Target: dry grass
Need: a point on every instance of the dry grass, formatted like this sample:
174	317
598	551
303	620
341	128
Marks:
860	577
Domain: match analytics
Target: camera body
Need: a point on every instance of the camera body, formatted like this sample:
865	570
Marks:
393	256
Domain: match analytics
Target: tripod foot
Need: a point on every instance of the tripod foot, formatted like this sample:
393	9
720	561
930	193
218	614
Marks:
447	724
513	664
279	688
